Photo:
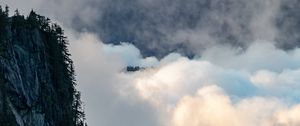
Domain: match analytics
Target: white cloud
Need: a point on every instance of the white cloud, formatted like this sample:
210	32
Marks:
283	85
212	107
287	78
130	55
99	80
260	55
288	117
226	94
183	76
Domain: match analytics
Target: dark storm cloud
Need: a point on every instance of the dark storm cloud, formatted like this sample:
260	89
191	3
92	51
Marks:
159	27
287	20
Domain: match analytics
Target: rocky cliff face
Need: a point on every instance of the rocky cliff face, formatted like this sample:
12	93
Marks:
36	75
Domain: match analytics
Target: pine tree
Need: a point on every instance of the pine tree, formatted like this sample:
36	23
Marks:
6	10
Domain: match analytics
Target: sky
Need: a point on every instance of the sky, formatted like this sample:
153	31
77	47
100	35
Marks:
207	63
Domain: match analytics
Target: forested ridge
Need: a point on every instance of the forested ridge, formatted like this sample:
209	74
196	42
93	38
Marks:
37	77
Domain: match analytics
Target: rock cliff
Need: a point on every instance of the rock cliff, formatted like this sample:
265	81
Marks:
37	81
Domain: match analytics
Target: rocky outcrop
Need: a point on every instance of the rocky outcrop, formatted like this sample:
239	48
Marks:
36	74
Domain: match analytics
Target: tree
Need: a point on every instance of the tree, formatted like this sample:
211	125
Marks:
6	10
17	12
32	19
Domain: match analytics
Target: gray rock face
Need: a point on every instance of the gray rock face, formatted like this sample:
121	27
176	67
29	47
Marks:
26	69
36	76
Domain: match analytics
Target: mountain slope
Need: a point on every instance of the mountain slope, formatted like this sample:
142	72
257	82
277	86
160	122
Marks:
37	81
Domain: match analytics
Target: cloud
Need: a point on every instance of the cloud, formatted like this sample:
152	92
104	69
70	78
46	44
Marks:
130	54
158	28
284	84
241	94
260	55
182	76
100	83
212	107
288	117
272	79
220	87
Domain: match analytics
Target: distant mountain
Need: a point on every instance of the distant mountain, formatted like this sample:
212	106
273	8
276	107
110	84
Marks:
37	80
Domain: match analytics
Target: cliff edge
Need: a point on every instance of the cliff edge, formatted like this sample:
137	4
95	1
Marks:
37	80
